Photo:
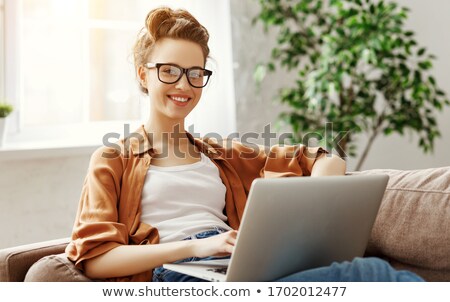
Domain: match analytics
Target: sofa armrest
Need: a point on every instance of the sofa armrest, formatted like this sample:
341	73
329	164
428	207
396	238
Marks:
15	261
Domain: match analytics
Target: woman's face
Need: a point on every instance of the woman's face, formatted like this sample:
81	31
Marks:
169	100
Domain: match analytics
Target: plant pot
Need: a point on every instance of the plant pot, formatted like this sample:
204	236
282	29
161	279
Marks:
2	131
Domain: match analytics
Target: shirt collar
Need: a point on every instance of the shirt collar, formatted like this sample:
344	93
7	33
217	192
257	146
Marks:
140	143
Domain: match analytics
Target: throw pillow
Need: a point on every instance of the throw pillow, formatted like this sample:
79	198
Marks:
55	268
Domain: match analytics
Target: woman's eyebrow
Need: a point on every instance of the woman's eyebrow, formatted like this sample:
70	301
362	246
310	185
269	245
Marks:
195	66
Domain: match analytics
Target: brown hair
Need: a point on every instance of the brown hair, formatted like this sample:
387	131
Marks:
165	22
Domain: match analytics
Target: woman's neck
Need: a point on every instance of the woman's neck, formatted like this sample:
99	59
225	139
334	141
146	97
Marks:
164	133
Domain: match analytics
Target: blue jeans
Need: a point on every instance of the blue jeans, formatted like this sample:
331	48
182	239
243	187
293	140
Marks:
357	270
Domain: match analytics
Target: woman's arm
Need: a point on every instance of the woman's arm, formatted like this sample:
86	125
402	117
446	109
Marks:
328	164
128	260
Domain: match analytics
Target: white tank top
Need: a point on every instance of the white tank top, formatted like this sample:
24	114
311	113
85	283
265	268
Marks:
181	201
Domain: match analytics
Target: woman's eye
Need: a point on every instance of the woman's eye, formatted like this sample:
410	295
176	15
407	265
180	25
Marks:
195	74
170	71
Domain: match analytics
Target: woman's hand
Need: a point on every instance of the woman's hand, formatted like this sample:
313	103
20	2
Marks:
328	165
219	245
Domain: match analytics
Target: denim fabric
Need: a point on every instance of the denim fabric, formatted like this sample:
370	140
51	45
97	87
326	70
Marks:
357	270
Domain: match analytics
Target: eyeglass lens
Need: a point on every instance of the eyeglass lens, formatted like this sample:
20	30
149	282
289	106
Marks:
171	74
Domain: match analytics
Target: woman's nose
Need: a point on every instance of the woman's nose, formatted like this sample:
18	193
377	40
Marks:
183	83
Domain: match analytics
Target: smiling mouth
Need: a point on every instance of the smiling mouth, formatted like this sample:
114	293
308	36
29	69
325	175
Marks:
180	101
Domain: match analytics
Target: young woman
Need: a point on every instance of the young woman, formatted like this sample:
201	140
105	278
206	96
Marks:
143	200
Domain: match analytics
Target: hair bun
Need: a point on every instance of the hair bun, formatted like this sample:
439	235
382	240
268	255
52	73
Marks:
155	19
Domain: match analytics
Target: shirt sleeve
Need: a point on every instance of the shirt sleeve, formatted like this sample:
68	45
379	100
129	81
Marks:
256	161
291	160
96	229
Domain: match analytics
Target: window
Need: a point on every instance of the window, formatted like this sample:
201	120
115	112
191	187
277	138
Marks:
69	66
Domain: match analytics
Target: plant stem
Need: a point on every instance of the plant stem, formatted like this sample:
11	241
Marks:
376	131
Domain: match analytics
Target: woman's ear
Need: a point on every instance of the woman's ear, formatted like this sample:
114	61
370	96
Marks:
142	74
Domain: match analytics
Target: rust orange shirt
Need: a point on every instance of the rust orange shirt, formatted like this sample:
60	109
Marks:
109	210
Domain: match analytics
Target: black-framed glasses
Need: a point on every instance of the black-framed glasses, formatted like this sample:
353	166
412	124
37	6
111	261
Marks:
171	73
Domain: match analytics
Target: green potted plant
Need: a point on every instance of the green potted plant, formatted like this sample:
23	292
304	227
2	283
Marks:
357	68
5	110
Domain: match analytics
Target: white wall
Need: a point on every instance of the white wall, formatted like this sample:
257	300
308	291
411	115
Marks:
255	109
39	198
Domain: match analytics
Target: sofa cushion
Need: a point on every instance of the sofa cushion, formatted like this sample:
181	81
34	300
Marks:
55	268
413	224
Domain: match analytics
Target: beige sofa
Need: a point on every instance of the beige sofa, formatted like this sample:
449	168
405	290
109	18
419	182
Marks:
412	231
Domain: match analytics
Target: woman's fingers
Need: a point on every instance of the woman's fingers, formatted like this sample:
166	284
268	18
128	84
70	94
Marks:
230	237
219	245
232	234
229	249
231	241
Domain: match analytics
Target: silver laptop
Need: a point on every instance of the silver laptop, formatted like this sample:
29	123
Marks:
297	223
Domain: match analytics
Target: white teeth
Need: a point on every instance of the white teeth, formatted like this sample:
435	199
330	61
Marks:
178	99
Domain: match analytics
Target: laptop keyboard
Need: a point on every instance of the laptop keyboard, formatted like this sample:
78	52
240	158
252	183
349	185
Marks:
220	270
